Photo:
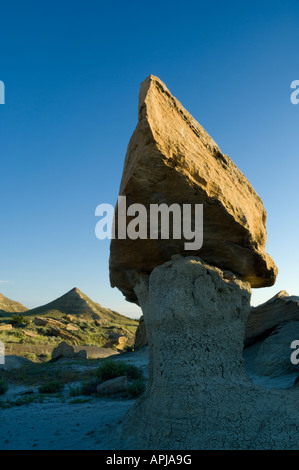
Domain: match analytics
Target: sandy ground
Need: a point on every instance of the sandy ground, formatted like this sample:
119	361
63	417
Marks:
62	425
57	425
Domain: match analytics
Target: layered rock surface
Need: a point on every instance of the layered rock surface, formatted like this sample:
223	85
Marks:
199	395
140	335
274	356
264	318
171	159
10	306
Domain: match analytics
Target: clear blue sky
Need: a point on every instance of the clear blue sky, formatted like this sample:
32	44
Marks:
72	71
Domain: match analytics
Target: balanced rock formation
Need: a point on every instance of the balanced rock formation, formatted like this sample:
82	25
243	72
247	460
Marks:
195	309
264	318
171	159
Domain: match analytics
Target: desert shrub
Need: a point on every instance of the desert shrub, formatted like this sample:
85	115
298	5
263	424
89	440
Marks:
89	388
31	357
51	387
136	388
75	391
19	319
111	369
3	386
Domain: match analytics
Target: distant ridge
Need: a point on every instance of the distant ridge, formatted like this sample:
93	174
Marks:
11	306
78	304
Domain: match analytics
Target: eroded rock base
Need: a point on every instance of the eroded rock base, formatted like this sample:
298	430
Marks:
199	395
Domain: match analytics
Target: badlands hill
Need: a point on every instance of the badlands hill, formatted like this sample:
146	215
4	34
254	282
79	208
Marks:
77	304
73	318
10	306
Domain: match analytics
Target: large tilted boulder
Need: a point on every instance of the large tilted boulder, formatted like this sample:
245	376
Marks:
171	159
264	318
199	395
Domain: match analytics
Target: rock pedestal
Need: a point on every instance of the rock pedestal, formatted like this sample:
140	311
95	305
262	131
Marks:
198	394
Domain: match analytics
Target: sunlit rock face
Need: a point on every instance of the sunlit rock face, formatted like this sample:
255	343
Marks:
172	160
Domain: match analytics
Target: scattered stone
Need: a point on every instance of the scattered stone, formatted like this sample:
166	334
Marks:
70	327
6	327
30	334
56	327
70	318
48	322
82	354
116	385
63	334
116	340
65	350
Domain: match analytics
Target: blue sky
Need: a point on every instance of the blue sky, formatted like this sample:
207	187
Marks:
72	71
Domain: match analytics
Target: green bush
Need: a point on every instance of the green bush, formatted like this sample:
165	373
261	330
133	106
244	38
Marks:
89	388
19	319
75	391
136	388
3	386
31	357
111	369
51	387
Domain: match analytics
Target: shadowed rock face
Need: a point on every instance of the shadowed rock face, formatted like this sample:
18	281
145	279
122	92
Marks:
199	395
264	318
171	159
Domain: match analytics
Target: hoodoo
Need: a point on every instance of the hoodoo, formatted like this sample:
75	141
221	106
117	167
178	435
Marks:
195	304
